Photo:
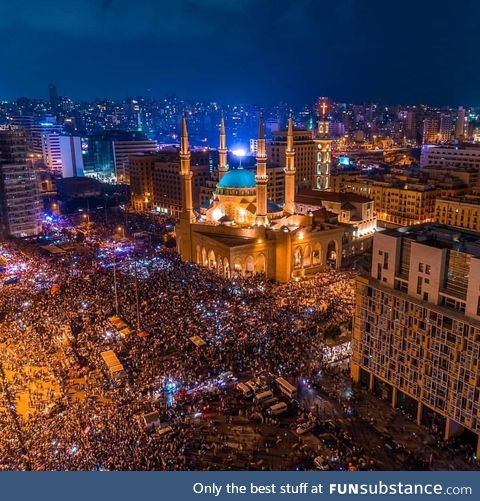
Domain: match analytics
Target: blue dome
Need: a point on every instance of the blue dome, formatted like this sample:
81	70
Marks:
238	178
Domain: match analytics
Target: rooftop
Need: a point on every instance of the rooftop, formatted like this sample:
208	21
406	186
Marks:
440	236
307	196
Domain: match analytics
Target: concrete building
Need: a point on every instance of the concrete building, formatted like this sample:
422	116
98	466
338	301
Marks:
445	130
462	212
105	155
122	150
71	157
398	201
352	209
19	203
431	129
155	180
450	156
461	125
416	331
305	155
467	175
45	143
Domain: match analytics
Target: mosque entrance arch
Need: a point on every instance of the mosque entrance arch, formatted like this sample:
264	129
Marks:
260	264
298	259
332	254
317	254
211	259
237	267
307	256
249	265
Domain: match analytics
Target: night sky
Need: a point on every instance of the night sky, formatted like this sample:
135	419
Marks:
258	51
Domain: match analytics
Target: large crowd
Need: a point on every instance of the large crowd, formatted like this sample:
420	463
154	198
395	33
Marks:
59	408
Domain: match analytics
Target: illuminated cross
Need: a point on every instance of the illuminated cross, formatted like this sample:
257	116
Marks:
323	106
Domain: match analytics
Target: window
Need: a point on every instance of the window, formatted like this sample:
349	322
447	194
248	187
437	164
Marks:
425	296
427	269
420	267
419	285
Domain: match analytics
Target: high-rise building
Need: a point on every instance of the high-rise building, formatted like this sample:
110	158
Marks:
19	202
461	125
123	149
411	124
445	128
431	129
305	155
53	96
52	156
25	122
71	156
105	155
45	143
416	331
155	181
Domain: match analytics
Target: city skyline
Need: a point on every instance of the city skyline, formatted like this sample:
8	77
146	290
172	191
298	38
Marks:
349	52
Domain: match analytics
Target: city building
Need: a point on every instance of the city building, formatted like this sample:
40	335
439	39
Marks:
241	232
450	156
105	155
399	201
462	212
155	181
45	143
416	331
53	96
123	149
71	156
445	128
306	149
411	124
469	176
352	209
19	203
461	125
431	130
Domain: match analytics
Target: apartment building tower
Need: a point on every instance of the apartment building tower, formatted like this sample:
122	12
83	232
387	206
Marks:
416	331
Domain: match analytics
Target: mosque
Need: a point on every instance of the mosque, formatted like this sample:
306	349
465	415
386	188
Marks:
241	232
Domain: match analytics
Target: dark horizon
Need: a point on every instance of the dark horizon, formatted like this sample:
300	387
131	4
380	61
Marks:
244	51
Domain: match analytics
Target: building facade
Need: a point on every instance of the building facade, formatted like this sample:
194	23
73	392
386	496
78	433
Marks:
352	209
462	212
305	155
450	156
71	158
416	331
155	181
397	202
19	203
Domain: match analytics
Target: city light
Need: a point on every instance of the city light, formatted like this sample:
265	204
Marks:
239	152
